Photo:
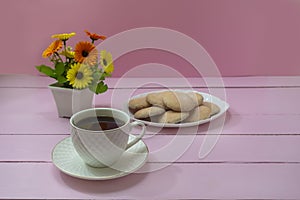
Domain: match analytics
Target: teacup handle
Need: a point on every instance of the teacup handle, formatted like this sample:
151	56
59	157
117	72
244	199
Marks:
139	137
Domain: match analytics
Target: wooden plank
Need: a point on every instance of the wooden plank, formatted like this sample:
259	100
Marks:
23	80
252	111
169	148
255	101
19	80
283	101
234	125
182	181
262	81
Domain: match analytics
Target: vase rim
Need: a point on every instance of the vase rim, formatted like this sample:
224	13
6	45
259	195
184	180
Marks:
58	87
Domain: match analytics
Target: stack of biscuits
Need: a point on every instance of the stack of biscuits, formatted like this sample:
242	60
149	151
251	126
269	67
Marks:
172	107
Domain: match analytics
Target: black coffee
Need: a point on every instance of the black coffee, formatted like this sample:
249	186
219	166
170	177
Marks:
100	123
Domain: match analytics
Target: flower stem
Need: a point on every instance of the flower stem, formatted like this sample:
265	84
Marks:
65	47
59	57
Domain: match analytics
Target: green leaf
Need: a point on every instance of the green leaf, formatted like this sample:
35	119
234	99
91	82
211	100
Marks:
61	79
101	87
46	70
59	68
103	75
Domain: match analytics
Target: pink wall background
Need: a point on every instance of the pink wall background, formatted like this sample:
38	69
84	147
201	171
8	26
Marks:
244	37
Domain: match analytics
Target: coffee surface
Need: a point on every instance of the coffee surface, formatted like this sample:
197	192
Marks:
100	123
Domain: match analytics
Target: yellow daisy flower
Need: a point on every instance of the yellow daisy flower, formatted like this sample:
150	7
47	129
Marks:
106	61
85	52
79	76
63	36
68	54
52	48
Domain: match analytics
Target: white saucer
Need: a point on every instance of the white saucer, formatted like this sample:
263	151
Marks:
66	159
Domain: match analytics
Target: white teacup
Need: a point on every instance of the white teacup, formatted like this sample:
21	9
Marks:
101	148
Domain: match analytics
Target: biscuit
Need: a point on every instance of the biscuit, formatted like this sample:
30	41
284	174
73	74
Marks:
196	97
199	113
138	103
213	107
172	117
156	99
179	101
148	112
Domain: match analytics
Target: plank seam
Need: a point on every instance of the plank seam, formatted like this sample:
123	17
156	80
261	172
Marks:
228	134
179	162
175	87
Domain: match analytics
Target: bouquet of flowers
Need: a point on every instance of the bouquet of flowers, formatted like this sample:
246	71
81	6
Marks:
83	67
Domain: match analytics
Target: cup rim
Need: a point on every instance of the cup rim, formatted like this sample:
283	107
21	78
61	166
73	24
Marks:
101	131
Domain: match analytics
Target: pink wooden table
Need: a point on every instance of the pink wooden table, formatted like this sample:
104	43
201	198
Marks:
257	155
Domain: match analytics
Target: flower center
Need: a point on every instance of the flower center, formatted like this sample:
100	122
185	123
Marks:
104	62
84	53
79	75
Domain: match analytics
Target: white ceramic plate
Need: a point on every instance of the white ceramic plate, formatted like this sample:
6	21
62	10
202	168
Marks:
66	159
206	97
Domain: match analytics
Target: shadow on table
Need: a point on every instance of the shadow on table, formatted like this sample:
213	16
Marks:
103	186
136	184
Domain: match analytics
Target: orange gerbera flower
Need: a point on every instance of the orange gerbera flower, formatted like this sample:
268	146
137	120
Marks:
94	36
52	48
85	52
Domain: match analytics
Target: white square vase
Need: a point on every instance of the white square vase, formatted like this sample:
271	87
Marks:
69	101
